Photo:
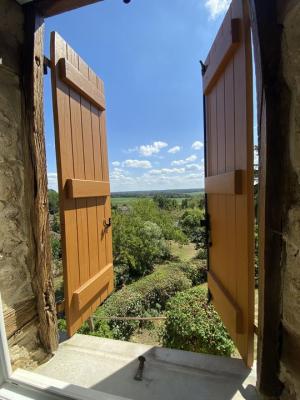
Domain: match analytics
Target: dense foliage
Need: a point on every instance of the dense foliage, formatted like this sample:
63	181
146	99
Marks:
165	203
140	235
145	297
190	223
53	201
194	325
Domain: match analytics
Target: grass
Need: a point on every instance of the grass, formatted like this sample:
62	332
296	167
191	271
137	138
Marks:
184	252
119	201
150	336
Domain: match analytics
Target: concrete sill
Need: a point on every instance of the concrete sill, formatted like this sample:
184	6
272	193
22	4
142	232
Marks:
108	367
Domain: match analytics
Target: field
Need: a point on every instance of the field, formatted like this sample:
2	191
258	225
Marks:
120	201
127	198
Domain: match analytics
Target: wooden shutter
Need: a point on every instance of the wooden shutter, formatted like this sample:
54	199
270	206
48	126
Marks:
227	86
83	178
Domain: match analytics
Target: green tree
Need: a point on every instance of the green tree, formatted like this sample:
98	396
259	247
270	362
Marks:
190	223
137	246
164	202
53	201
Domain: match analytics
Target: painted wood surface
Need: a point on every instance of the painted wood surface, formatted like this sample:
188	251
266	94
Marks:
229	148
82	164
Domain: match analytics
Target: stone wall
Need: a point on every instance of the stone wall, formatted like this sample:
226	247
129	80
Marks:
16	241
290	358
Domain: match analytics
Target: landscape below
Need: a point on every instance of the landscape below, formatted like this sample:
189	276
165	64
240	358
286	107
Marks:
160	274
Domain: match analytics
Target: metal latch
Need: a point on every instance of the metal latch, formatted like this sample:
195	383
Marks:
205	223
140	370
107	224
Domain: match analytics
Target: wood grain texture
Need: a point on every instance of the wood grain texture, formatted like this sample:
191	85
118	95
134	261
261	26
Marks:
224	46
19	315
91	288
81	162
227	183
73	78
225	305
87	188
272	133
230	171
42	280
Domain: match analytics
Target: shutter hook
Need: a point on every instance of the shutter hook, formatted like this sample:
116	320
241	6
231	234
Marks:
107	224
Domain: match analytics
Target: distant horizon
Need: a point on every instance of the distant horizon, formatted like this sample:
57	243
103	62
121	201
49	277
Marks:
152	190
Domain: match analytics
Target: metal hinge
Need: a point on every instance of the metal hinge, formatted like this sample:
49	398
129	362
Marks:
46	64
203	67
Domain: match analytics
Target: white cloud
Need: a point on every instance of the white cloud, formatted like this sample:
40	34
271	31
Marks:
197	145
164	171
116	163
137	164
189	159
147	150
194	167
52	181
174	149
216	7
157	179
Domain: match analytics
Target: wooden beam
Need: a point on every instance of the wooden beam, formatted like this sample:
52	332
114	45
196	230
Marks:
90	289
79	188
33	82
273	144
49	8
72	77
228	183
18	315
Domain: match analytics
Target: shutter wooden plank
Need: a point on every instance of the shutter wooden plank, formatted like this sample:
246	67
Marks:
77	188
75	79
91	203
65	169
225	305
229	201
244	160
227	88
96	113
93	287
227	183
105	177
225	46
80	149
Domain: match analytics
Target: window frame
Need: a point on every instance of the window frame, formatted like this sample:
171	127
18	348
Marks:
22	384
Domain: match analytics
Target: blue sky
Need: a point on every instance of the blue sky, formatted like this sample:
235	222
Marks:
148	55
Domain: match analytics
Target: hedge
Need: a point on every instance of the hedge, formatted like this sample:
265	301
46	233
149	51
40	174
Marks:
145	297
194	325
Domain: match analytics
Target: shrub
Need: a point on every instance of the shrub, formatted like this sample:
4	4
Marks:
194	325
56	247
147	296
195	270
55	225
202	254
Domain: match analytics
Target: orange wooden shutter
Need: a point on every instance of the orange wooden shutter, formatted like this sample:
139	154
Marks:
227	87
83	178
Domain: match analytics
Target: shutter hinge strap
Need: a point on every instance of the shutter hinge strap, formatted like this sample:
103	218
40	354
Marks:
46	64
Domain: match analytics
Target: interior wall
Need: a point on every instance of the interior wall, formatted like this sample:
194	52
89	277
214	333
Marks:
17	257
290	357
